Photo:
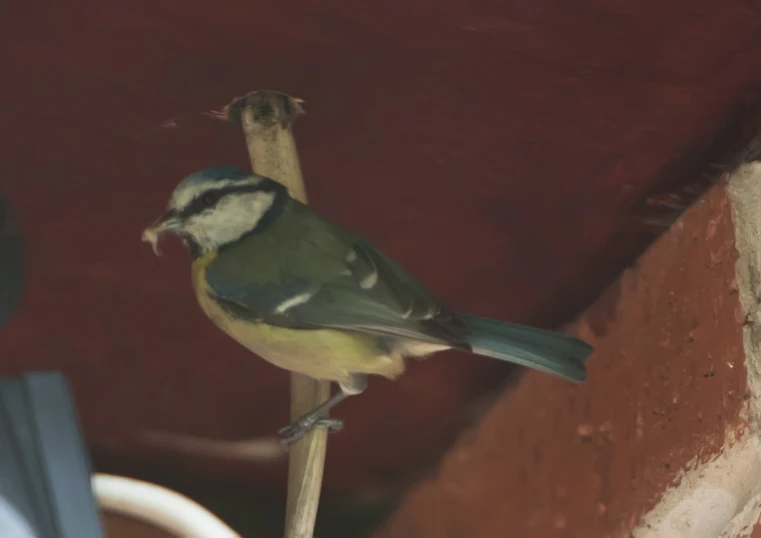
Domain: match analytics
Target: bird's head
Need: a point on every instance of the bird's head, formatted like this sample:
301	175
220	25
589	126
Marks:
217	206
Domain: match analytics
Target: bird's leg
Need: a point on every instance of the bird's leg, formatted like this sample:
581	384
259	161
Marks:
304	424
315	418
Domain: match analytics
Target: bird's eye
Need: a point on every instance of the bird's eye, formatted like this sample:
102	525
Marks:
208	199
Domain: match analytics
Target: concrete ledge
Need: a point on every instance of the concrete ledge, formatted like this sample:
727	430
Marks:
718	498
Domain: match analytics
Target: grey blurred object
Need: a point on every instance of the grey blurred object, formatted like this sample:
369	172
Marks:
11	264
45	471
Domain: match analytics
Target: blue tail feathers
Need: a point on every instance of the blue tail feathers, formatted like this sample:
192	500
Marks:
539	349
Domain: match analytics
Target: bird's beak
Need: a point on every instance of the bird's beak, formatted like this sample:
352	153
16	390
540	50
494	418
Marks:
168	222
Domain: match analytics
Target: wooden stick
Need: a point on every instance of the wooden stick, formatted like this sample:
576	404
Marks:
266	118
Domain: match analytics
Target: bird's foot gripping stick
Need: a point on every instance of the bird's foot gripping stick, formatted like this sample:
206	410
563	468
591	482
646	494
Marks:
299	428
314	419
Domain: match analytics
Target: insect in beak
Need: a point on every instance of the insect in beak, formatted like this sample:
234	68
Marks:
169	222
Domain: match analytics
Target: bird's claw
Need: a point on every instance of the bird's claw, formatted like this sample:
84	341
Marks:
299	428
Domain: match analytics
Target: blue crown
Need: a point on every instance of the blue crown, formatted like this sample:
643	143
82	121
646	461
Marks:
217	173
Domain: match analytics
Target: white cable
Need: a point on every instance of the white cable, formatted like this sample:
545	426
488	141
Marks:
159	506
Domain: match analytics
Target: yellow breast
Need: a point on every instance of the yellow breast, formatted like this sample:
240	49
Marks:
321	354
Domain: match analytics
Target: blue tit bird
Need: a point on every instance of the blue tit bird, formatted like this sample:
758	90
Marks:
312	297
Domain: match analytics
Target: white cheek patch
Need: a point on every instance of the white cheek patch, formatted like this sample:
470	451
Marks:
255	204
235	216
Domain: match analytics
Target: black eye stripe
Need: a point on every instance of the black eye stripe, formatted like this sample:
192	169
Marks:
209	198
212	197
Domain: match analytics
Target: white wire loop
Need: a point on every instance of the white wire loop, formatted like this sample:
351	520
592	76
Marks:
159	506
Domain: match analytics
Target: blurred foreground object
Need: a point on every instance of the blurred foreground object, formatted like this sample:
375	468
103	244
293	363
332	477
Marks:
44	466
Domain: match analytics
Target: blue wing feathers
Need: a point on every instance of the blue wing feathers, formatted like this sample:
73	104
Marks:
264	298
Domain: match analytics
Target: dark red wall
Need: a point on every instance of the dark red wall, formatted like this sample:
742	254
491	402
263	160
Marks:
496	149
